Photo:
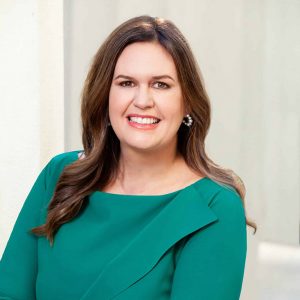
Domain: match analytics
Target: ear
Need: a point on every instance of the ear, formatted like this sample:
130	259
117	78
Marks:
185	113
186	110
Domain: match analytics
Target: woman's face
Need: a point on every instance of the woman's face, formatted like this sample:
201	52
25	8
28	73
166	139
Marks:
145	86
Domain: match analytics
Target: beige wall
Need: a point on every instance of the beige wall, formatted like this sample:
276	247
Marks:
249	55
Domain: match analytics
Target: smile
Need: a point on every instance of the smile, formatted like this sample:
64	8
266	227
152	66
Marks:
143	123
143	120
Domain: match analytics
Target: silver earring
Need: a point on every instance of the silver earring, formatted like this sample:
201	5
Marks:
189	122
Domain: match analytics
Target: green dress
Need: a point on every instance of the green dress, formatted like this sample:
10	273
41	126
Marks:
186	245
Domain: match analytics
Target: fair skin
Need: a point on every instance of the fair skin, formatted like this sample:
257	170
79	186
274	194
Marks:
149	162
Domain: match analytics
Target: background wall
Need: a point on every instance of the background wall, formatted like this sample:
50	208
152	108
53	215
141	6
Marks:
249	54
32	99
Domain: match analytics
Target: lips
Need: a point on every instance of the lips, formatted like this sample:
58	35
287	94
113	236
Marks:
142	116
142	126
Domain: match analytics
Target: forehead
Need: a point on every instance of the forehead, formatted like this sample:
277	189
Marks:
145	57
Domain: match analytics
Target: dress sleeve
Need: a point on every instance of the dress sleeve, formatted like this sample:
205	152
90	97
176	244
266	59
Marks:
211	264
18	265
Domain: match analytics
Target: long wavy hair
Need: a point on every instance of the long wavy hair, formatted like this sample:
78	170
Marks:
99	167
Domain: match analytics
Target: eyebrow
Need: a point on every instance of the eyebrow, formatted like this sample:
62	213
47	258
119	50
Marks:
153	77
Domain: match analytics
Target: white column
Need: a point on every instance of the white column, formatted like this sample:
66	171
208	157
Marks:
32	95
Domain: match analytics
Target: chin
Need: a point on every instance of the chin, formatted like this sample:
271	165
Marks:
141	146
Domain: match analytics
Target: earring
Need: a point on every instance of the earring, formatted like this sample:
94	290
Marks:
189	122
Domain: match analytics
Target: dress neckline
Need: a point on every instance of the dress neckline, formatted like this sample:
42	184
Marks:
107	194
115	195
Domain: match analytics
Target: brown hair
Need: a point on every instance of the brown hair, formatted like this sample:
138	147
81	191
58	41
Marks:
101	145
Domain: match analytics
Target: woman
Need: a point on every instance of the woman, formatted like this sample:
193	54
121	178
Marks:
141	212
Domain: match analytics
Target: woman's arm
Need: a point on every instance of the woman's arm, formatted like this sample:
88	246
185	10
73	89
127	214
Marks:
18	266
211	264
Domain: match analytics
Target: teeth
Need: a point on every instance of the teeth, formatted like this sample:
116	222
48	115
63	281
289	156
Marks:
143	120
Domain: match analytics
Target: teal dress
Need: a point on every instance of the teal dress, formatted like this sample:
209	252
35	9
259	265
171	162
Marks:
185	245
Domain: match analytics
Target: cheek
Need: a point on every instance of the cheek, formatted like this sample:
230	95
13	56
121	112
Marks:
115	103
119	98
172	107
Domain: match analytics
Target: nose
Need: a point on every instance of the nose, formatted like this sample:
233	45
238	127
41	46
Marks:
143	98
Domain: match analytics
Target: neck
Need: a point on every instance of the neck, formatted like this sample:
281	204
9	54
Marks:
139	171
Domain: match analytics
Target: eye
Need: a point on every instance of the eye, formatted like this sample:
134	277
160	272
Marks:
161	85
126	83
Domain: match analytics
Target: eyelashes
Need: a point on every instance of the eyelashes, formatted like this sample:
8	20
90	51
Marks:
157	84
126	83
162	85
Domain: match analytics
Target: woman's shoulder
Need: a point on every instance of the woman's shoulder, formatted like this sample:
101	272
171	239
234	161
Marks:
65	157
58	162
220	198
227	203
